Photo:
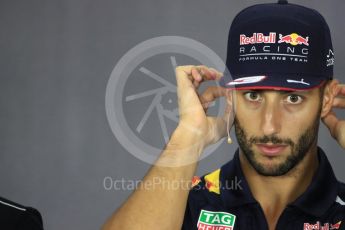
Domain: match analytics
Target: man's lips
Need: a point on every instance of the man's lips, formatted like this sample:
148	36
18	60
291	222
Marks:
271	150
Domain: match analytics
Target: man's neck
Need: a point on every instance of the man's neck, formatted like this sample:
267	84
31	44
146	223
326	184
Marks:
275	193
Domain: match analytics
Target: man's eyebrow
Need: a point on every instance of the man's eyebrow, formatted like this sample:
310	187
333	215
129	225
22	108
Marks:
295	92
282	92
278	91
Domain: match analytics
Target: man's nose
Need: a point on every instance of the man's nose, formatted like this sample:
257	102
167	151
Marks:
271	118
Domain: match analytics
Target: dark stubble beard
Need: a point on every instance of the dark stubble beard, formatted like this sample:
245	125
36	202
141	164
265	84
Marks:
298	150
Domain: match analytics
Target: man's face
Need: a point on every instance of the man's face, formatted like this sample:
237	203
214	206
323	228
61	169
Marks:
276	129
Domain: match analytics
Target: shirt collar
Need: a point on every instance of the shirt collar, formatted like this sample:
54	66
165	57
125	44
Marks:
323	190
316	200
231	173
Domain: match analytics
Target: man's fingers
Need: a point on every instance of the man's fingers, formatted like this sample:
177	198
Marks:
196	74
339	99
183	76
211	94
203	73
217	73
209	73
335	127
339	102
342	89
188	80
331	122
190	75
196	77
206	73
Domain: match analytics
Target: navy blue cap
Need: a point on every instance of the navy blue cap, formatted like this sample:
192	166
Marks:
279	46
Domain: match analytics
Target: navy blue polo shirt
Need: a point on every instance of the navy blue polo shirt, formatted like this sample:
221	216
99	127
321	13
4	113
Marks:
14	216
222	200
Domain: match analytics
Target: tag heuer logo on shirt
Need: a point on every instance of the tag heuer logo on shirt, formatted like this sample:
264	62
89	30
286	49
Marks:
216	221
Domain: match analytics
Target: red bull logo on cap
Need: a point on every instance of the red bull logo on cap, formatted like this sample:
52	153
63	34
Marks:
271	47
257	38
293	39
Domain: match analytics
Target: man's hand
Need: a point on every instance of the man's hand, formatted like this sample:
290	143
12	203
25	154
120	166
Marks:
193	107
178	161
336	125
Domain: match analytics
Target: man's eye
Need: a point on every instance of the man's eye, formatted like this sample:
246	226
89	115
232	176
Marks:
294	99
252	96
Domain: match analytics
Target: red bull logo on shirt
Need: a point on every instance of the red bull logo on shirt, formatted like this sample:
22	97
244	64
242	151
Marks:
216	221
319	226
195	181
212	181
293	39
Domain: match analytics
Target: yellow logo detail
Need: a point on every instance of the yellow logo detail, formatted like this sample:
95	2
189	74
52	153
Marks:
212	181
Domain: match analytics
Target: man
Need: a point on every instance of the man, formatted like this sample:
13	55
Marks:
18	217
281	59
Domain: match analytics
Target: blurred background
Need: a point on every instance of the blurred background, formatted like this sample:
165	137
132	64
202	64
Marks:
58	152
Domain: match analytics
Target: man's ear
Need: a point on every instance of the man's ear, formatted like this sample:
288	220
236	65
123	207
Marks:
329	94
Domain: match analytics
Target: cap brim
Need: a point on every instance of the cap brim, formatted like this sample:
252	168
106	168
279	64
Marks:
288	82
